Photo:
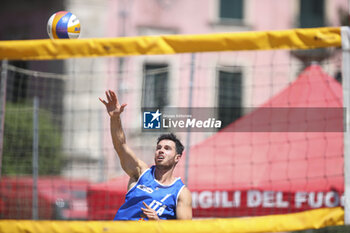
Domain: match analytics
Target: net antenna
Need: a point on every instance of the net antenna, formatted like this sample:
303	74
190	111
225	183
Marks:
3	86
345	33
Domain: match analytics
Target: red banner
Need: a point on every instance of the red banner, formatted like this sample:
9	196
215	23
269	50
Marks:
255	202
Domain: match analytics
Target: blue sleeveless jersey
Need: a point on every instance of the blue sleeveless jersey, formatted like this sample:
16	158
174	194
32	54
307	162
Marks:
161	198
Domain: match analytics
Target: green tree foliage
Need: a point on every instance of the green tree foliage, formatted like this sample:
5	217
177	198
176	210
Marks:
18	142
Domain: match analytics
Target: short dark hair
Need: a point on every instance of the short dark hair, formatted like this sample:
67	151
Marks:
178	145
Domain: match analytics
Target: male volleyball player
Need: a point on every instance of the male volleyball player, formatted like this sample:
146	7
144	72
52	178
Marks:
153	193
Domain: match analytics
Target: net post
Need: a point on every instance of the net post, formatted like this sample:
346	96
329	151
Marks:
35	162
188	139
345	35
3	86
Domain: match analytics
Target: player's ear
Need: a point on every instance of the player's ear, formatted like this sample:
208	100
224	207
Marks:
178	157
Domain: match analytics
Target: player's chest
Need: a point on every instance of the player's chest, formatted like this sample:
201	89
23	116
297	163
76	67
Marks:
156	192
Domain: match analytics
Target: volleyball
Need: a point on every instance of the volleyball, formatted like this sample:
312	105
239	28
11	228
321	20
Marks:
63	25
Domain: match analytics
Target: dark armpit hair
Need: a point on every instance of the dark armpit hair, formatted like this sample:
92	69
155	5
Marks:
179	147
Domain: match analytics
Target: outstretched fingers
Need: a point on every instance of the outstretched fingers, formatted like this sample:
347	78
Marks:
122	107
112	103
111	98
114	97
102	101
108	95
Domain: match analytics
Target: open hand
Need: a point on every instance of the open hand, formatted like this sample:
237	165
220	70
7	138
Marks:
150	213
112	105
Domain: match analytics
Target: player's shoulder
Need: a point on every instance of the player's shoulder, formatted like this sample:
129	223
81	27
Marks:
186	190
184	199
185	194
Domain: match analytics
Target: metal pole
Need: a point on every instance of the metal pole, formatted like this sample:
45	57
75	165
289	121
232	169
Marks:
2	107
35	162
101	161
345	35
188	138
122	18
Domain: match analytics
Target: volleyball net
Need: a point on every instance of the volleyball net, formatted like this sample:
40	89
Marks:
262	115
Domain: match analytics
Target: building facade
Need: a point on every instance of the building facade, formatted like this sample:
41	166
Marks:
220	80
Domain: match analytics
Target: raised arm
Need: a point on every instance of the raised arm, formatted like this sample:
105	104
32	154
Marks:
130	163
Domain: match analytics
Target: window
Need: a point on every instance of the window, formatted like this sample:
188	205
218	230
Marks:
312	13
155	86
231	10
229	96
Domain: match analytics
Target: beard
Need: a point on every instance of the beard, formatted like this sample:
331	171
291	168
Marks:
164	166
